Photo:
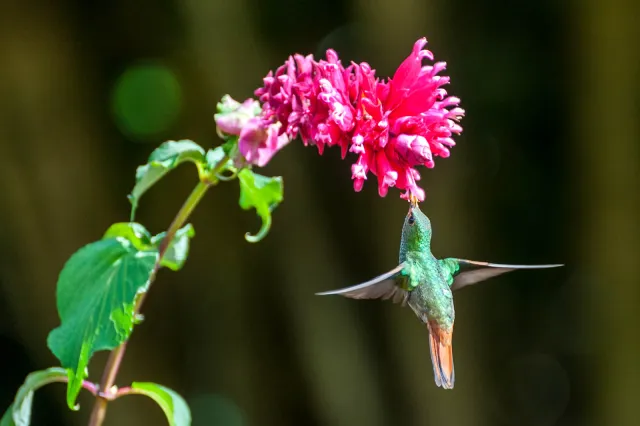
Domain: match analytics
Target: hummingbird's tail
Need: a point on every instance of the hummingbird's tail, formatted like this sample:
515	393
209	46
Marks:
440	343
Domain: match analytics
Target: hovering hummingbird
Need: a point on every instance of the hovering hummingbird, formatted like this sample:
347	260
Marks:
426	285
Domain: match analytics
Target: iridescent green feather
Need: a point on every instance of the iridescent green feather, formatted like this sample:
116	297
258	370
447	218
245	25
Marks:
450	266
411	270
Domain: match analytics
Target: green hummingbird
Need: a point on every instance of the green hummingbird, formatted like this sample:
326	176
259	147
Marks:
426	283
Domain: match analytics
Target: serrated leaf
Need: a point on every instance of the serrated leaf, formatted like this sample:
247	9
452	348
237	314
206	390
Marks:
174	406
136	233
262	193
96	292
19	413
162	160
178	251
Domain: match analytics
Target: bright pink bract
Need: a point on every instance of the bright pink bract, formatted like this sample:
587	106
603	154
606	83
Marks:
392	125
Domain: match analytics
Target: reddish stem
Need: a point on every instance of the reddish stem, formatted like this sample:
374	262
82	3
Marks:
91	387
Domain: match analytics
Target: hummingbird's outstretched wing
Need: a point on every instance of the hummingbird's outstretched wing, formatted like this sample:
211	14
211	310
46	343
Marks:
468	272
386	286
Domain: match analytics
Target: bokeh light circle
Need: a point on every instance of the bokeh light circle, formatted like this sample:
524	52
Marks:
146	100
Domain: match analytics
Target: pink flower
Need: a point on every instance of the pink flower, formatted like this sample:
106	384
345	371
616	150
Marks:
403	123
258	138
310	99
392	125
232	115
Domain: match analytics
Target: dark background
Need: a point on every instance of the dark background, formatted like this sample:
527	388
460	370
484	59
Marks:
546	171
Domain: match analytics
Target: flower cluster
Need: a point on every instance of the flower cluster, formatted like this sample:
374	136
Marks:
392	125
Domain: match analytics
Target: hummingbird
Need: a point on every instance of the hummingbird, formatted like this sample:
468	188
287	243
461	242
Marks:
426	284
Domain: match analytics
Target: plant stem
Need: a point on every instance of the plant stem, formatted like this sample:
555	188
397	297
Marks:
115	358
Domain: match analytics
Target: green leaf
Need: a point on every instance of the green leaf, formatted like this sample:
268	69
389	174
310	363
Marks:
176	254
136	233
214	156
178	250
174	407
262	193
7	419
96	293
19	413
230	147
162	160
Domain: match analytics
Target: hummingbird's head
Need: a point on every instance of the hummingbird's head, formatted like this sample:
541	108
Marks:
416	232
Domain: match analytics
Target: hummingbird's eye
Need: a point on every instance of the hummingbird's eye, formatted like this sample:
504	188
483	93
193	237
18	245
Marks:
411	219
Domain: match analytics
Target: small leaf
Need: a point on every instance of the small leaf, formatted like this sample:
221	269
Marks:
230	147
174	257
96	292
19	413
178	250
162	160
174	407
262	193
219	160
134	232
7	419
214	156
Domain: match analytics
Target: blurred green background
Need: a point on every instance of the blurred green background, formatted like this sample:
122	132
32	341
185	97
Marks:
546	171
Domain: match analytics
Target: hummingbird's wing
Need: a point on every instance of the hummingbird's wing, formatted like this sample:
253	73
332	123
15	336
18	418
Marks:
468	272
386	286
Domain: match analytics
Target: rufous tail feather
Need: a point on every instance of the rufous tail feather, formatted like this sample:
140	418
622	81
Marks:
440	343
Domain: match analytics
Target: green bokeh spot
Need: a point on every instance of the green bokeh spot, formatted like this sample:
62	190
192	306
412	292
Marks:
147	99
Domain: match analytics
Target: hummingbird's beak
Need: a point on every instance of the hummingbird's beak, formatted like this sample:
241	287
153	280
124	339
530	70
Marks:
413	200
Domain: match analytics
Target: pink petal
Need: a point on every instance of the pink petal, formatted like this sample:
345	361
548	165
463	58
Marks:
259	141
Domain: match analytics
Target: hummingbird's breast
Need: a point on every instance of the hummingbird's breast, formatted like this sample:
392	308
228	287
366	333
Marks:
431	297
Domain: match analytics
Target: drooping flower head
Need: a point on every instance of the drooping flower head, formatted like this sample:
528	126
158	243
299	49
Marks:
403	123
392	125
310	98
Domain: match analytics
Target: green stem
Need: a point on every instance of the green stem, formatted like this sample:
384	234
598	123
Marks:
105	391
